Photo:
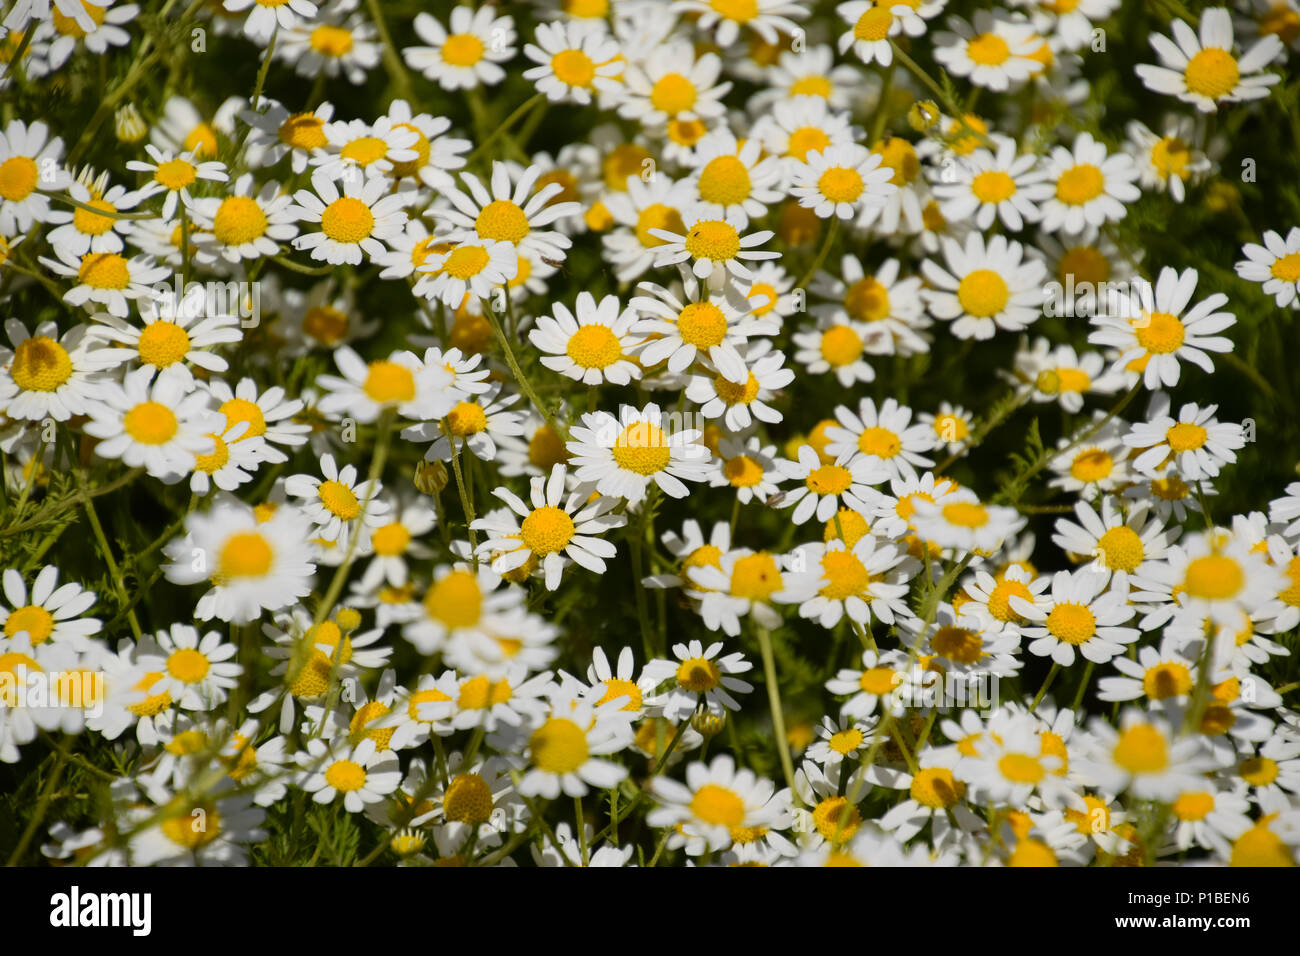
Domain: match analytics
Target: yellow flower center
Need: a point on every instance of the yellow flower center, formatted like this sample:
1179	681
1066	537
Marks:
462	49
878	681
983	293
1287	268
1091	465
840	184
1161	334
805	140
1186	436
900	156
479	693
245	555
573	68
1021	768
1085	263
150	423
104	270
1000	600
873	25
965	514
18	177
455	600
829	480
1071	623
1169	679
594	346
658	216
1121	549
332	41
1141	749
812	85
957	644
303	131
347	220
673	93
346	776
192	830
935	787
718	806
616	688
40	364
547	530
844	742
742	471
713	239
1170	157
391	539
845	575
93	224
841	346
175	174
502	221
1260	846
339	500
836	819
642	448
867	300
163	343
214	462
1080	184
698	675
325	324
623	161
34	619
365	150
466	419
239	220
1212	73
988	49
558	746
742	11
239	410
755	577
468	800
188	665
1258	771
993	186
1213	577
725	181
465	262
389	382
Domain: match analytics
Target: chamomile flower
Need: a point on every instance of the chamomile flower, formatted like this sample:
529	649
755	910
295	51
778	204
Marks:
198	672
352	222
1120	544
233	461
702	680
48	613
274	133
154	424
732	179
1144	756
475	424
270	416
251	565
1275	264
576	60
340	505
865	580
1156	674
740	405
716	800
374	149
564	752
48	375
990	185
986	287
339	43
841	181
1085	610
1195	443
174	175
106	278
466	55
247	223
515	212
1059	374
674	86
714	245
622	456
1096	461
174	337
838	345
1091	186
1203	70
960	520
265	16
397	540
994	51
552	526
472	267
821	488
875	684
1169	162
1155	330
30	165
1217	576
400	382
885	434
592	347
79	230
361	775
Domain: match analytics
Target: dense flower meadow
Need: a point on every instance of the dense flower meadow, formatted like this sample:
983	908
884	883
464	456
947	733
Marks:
649	433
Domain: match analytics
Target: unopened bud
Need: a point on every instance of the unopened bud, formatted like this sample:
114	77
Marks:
923	115
348	619
130	125
431	477
710	725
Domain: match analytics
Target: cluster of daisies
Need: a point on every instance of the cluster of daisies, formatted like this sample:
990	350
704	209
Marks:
595	507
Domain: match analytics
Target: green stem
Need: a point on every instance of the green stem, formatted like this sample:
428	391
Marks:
774	703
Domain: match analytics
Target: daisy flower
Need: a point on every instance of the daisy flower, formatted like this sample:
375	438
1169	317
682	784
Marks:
476	424
436	155
623	456
472	267
513	700
352	221
375	149
48	375
637	209
340	505
961	521
1091	186
740	582
270	416
732	179
873	24
740	405
564	753
1099	464
1085	610
509	213
107	278
30	166
841	181
802	125
876	682
715	247
1217	576
1144	756
870	578
835	345
1195	444
1120	545
1059	374
1156	674
1275	264
825	487
885	434
466	56
247	224
459	600
1169	162
401	381
811	72
154	424
554	525
338	43
1153	333
274	133
47	613
576	60
174	175
701	678
673	85
1203	71
80	231
950	427
986	287
197	671
992	185
265	16
397	541
716	801
994	51
594	346
361	775
766	18
251	565
619	683
175	336
216	830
